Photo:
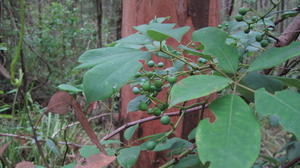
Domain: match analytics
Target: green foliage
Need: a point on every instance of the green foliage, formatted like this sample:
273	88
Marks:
284	104
213	40
88	150
233	140
128	156
130	131
185	89
275	56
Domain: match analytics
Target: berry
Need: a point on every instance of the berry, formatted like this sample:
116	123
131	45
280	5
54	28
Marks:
165	120
162	107
243	11
150	111
135	90
239	18
202	60
160	65
247	31
152	88
254	18
156	111
264	43
143	106
150	145
150	74
151	63
259	38
158	83
137	75
171	79
146	86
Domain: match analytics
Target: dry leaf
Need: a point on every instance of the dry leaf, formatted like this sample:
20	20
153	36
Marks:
25	164
86	126
96	161
3	148
60	103
4	72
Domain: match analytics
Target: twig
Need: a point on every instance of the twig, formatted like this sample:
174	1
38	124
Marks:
292	162
177	158
290	33
29	138
123	127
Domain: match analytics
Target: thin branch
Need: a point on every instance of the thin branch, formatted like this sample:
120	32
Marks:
292	162
123	127
290	33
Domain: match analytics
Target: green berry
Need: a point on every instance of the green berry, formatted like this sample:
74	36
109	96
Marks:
243	11
137	75
264	43
247	31
160	65
239	18
150	74
156	111
254	18
259	38
135	90
150	145
143	106
202	60
171	79
158	83
146	86
163	107
151	63
150	111
165	120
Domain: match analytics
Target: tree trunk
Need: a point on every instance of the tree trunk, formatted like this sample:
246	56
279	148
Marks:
194	13
99	21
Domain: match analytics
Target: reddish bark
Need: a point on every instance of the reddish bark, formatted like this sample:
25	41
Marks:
194	13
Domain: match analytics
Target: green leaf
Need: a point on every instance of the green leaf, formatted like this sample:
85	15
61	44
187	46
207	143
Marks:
196	86
214	41
190	161
110	141
285	104
69	88
289	81
233	140
275	56
194	52
162	31
88	150
133	105
111	74
70	165
192	134
173	144
255	80
128	156
135	39
52	146
130	131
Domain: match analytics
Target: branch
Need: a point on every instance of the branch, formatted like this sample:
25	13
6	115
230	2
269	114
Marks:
29	138
123	127
292	162
290	34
